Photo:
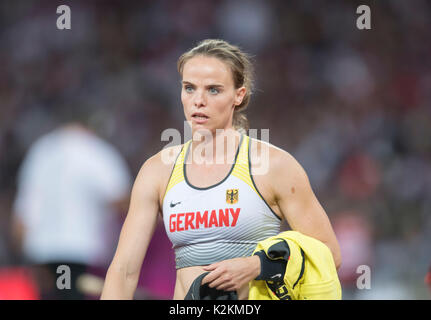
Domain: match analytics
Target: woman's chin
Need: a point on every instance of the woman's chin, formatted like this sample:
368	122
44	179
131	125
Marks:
201	129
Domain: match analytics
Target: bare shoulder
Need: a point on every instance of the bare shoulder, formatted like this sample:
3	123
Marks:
169	155
273	158
156	170
278	172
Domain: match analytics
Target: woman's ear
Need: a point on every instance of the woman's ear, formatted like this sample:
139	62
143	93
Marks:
240	93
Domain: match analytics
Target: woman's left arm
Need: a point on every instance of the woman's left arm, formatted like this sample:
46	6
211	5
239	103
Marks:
298	203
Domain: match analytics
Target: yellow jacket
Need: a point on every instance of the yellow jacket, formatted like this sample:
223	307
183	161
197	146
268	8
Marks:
309	273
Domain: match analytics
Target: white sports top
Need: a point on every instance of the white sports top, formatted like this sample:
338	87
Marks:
220	222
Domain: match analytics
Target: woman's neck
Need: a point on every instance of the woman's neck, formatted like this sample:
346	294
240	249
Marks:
214	148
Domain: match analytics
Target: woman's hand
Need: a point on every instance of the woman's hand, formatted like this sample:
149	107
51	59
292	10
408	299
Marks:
232	274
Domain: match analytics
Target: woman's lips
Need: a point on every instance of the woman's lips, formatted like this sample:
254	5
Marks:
200	119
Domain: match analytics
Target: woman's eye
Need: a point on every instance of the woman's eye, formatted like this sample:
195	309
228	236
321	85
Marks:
214	90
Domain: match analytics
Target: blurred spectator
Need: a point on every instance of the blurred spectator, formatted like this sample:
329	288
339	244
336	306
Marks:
69	187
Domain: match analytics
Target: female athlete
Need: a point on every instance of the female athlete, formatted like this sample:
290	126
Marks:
215	204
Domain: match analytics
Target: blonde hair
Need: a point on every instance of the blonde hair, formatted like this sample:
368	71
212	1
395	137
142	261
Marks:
240	65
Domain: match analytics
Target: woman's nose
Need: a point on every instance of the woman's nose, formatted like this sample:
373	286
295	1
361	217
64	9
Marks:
199	99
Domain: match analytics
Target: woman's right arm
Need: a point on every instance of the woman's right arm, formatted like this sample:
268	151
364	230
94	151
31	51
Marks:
138	228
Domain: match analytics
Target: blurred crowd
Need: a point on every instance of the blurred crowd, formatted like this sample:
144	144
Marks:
352	106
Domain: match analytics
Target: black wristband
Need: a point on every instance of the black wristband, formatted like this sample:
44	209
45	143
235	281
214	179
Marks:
271	270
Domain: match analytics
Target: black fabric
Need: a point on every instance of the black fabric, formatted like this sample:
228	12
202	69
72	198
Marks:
198	291
273	263
279	250
279	289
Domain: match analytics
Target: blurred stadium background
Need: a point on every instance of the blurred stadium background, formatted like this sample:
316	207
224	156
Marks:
354	107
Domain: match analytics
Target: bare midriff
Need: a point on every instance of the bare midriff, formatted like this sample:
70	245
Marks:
186	276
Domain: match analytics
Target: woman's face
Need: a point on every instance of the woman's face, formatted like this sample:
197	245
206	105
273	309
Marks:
208	93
